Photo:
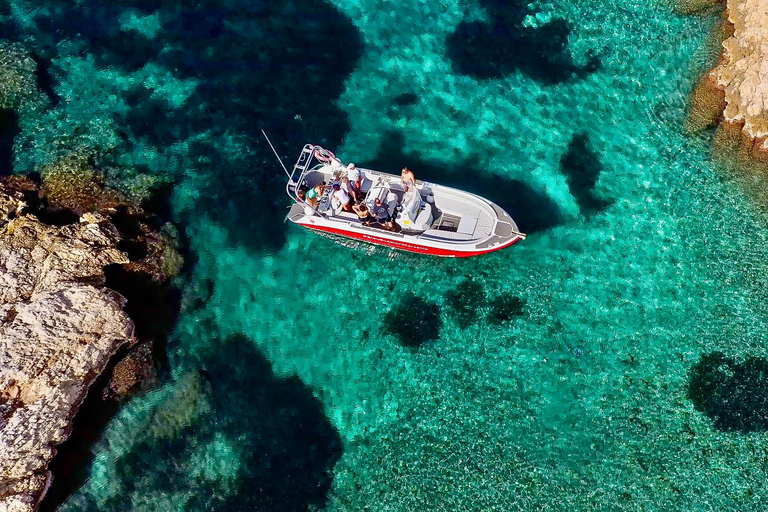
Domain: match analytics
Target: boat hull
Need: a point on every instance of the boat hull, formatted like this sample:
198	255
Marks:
404	245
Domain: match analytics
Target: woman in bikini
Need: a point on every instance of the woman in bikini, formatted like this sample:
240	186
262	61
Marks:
363	214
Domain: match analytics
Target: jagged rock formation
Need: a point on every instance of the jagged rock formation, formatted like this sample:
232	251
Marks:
59	326
735	92
743	71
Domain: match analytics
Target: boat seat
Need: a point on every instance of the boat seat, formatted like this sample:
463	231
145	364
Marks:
391	203
467	225
424	217
365	181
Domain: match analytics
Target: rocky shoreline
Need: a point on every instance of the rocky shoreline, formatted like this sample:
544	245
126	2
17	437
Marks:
734	95
61	323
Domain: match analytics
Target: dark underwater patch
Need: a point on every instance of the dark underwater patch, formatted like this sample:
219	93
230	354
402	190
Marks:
504	45
504	308
9	129
406	99
93	28
272	65
44	78
287	447
413	321
582	167
733	394
266	68
465	300
532	210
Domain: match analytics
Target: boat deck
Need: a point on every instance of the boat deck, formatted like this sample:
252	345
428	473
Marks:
432	219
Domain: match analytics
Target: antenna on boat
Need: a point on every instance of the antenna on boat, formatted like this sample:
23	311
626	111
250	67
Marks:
276	155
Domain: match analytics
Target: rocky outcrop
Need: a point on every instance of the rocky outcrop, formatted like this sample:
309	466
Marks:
735	92
743	71
59	327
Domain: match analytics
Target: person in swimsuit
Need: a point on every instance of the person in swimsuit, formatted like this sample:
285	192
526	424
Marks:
363	214
407	178
314	194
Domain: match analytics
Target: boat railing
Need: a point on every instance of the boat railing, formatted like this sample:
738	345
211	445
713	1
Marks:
304	164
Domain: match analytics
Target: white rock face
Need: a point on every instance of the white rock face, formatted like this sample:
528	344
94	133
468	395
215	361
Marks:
743	71
58	328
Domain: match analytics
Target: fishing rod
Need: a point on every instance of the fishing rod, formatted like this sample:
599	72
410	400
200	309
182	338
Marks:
276	155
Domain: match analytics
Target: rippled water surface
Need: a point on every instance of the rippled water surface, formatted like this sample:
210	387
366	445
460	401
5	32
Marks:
615	360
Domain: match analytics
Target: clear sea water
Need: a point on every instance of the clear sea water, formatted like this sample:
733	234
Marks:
287	389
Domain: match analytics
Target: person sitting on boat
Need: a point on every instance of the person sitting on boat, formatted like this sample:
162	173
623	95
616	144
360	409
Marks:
340	198
381	213
407	178
363	213
314	194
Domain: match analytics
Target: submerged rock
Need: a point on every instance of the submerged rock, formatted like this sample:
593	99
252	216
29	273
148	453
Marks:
505	307
413	321
60	324
466	299
733	393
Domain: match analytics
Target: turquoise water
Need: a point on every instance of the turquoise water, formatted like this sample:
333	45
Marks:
287	388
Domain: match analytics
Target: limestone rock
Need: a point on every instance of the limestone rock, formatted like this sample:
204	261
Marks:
743	70
59	327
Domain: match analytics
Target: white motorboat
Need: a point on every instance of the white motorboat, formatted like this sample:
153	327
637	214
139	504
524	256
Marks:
426	219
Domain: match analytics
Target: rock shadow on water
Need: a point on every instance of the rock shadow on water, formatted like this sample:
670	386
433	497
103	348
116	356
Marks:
582	167
732	393
281	446
532	209
413	321
506	44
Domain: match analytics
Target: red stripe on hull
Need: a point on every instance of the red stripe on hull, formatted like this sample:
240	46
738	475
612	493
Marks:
405	246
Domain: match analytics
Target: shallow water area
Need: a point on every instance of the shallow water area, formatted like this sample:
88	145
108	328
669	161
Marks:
287	391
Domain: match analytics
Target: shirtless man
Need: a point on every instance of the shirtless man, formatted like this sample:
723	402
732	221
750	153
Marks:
407	178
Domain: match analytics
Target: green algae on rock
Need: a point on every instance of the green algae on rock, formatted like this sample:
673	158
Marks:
17	76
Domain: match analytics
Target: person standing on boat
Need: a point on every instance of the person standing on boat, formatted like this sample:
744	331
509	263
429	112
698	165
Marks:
355	183
354	191
407	178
